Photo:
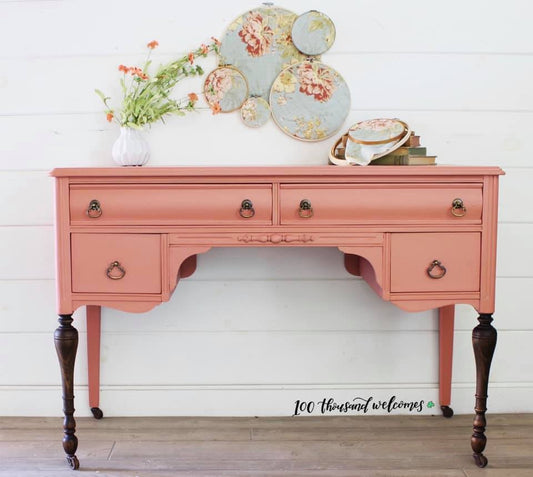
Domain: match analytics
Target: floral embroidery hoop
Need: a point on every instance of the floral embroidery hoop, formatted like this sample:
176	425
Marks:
309	101
259	44
374	138
255	112
313	33
225	89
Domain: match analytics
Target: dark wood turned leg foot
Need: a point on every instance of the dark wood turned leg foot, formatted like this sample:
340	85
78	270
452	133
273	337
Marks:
484	341
66	341
73	462
480	460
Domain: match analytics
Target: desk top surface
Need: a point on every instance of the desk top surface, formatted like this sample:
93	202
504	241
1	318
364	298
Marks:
271	171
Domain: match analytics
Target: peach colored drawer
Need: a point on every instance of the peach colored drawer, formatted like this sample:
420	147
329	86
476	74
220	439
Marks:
162	204
138	257
412	254
349	204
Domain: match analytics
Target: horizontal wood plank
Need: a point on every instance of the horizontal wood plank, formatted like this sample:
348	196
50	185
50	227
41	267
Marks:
237	358
442	82
357	308
334	446
470	138
294	451
275	305
252	400
504	27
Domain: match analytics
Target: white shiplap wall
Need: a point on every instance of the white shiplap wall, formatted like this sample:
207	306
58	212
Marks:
253	330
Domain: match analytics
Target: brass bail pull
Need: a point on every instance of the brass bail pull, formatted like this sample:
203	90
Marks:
458	207
115	271
247	210
306	210
94	210
436	270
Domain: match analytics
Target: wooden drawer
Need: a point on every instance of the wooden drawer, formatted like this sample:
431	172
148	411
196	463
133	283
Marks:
138	255
352	204
170	204
413	253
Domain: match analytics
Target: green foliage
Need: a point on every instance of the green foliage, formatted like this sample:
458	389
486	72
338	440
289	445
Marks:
146	99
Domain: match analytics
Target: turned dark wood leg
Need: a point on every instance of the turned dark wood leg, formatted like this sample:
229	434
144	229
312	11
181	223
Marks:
66	341
484	342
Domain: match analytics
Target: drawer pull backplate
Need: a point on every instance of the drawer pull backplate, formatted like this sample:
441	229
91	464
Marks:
94	210
115	271
247	210
306	210
458	207
436	274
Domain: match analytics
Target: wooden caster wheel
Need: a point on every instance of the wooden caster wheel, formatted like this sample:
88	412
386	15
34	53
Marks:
73	462
97	412
447	411
480	460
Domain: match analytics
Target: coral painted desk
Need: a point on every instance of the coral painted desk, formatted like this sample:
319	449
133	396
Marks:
422	237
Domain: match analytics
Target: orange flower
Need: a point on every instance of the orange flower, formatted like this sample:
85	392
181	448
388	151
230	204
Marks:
205	49
136	71
110	116
123	68
191	58
217	42
193	97
216	108
152	45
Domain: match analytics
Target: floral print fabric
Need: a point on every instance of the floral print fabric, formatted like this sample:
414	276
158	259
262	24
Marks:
310	101
313	33
259	44
255	112
256	34
225	89
318	81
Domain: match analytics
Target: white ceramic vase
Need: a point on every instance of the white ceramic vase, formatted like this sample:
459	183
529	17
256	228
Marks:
131	148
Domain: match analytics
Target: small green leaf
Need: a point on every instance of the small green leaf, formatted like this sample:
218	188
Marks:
102	95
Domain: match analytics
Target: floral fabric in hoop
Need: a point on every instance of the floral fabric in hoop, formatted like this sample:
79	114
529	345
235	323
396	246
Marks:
374	138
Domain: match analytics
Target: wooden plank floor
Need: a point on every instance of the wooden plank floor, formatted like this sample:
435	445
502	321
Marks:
383	446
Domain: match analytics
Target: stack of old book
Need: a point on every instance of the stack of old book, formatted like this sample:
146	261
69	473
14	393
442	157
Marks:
410	154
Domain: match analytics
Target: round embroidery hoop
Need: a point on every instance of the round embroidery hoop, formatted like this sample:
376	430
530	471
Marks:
255	112
258	43
313	33
309	101
217	89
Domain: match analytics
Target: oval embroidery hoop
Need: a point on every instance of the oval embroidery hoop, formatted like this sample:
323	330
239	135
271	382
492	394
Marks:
378	137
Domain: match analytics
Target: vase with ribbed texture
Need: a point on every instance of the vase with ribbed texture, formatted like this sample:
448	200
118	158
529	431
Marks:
131	148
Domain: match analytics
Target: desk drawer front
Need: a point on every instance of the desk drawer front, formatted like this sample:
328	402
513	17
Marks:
413	257
116	263
184	204
370	204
